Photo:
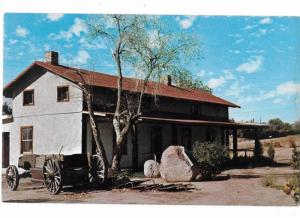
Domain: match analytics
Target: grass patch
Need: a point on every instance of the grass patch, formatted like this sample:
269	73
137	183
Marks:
271	181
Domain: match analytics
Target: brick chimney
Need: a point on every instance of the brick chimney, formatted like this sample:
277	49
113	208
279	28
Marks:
51	57
167	80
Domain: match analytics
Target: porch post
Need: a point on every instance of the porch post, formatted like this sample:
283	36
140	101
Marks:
256	139
135	152
234	143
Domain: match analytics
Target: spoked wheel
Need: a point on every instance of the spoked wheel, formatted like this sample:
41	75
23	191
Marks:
12	177
52	176
97	174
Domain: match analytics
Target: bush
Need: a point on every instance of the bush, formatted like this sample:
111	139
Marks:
271	151
293	187
295	158
209	156
269	181
258	149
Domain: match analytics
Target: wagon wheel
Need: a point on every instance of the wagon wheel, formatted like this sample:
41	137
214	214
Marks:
52	176
97	174
12	177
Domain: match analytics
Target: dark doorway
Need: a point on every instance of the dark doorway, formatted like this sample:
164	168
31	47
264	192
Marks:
186	138
156	142
5	149
174	135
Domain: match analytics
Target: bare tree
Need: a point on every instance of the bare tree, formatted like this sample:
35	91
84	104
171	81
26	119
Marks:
144	44
87	97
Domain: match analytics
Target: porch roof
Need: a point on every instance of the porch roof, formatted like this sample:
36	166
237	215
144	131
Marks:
205	122
226	124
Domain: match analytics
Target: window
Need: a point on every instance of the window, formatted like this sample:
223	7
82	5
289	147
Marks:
196	109
26	139
28	97
62	93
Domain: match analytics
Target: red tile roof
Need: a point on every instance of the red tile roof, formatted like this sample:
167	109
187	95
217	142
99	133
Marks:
129	84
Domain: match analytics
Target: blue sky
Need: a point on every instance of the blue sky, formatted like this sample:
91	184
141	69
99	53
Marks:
251	61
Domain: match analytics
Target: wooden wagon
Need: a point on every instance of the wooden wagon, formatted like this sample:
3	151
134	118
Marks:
58	170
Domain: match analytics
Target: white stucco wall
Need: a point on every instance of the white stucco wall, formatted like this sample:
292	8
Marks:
144	140
106	131
55	124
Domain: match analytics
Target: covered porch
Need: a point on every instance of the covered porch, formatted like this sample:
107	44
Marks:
152	135
229	129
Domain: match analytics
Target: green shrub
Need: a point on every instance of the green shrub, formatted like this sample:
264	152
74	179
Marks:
271	151
294	187
295	157
209	156
258	149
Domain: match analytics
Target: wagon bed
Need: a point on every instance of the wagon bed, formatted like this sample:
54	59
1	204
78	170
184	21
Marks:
58	170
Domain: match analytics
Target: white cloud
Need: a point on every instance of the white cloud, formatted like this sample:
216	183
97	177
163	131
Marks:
263	31
249	27
288	88
46	47
186	22
54	16
277	101
21	31
266	20
216	82
82	57
251	66
255	51
13	41
201	73
238	41
76	29
283	90
234	51
92	44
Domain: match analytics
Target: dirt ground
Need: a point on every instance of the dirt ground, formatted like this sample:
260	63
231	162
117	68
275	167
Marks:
244	187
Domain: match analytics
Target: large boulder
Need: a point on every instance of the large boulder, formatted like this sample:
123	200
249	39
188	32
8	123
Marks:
177	165
151	169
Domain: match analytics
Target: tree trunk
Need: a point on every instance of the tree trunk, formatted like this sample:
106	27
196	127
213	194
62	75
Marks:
116	157
96	135
120	141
